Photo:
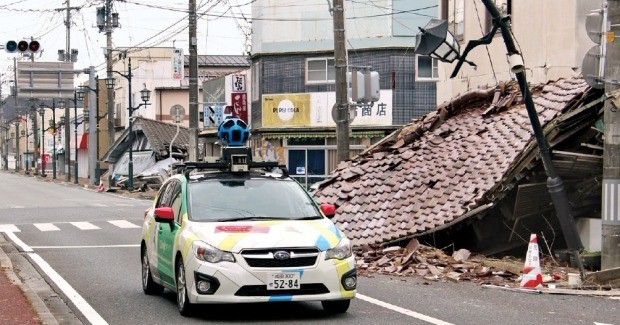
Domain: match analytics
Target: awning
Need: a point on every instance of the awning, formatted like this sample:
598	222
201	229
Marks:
83	141
354	134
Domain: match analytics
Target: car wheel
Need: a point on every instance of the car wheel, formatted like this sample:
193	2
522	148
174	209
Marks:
185	307
148	285
336	306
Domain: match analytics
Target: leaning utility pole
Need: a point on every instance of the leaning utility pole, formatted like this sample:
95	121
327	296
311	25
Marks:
342	102
610	244
193	84
110	92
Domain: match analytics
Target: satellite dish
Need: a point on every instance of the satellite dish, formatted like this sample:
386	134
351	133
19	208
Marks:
177	112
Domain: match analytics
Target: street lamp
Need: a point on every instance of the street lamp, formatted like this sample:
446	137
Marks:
52	126
428	42
42	113
145	95
80	96
61	105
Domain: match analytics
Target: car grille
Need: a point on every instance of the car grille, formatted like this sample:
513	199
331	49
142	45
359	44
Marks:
299	257
261	290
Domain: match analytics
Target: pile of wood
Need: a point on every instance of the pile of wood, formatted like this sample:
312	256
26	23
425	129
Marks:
434	265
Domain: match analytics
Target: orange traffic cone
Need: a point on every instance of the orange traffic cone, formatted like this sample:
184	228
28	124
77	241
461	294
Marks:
532	275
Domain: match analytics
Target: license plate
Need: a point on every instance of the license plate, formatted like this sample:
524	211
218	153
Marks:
283	281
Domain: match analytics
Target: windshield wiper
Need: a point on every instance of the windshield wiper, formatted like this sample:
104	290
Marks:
309	218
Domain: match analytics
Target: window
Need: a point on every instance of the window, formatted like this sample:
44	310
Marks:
320	70
256	81
427	68
454	12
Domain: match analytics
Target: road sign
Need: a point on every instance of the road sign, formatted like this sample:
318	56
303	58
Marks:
177	112
45	79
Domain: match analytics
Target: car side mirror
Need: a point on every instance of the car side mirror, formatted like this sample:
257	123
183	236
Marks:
329	210
164	214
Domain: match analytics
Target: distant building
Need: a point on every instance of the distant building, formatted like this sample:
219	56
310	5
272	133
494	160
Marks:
293	77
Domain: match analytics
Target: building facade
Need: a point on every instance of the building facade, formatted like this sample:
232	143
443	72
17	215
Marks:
293	77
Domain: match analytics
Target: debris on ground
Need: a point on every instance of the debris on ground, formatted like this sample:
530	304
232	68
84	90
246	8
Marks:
435	265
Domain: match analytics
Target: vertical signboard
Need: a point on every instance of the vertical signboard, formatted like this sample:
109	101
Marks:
177	64
238	83
240	106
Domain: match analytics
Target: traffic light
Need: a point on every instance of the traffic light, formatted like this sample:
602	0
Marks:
592	69
22	46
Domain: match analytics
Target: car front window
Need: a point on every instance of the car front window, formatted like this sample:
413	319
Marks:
241	199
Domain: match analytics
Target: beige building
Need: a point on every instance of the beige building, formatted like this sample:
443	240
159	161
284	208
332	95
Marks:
550	34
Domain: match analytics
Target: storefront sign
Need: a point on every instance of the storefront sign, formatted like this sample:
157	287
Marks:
177	64
240	106
238	83
286	110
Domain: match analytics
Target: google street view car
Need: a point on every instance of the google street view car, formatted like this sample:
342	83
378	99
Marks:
236	230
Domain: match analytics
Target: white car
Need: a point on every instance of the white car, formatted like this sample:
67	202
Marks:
244	237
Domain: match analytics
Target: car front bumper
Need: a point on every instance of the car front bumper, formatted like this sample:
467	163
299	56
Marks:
239	283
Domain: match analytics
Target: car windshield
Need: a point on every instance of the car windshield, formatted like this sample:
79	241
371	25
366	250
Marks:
249	199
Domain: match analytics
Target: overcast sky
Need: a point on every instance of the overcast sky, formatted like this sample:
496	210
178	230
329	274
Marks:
142	23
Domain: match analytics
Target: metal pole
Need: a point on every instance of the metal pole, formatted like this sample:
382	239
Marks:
17	160
193	84
610	240
92	122
554	182
67	121
98	165
342	102
75	140
110	92
42	141
129	136
54	139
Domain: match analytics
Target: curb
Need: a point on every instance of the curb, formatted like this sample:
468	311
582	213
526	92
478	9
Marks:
37	303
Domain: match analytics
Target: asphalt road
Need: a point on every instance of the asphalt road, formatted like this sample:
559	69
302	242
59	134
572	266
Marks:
88	242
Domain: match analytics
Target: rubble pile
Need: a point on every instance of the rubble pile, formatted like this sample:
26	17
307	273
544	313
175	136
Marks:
433	264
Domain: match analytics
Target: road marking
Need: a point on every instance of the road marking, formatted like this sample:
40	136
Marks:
98	205
9	228
123	204
89	312
401	310
46	226
17	207
84	225
92	246
123	224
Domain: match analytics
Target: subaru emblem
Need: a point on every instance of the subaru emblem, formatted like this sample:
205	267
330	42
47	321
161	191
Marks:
281	255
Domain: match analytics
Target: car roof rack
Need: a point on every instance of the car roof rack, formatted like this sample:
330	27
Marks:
233	160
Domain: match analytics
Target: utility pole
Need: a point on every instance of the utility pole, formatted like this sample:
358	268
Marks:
67	111
610	242
110	92
342	102
17	116
193	83
92	125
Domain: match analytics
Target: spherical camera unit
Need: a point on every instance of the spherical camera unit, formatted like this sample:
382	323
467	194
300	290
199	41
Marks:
233	132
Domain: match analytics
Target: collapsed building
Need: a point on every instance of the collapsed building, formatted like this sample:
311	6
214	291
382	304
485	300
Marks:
469	174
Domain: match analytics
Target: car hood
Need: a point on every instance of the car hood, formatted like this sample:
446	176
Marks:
235	236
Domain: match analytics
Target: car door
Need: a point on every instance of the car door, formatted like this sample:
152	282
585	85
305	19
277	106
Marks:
166	233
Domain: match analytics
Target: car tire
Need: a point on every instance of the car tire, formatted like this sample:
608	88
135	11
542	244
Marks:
336	306
148	285
185	307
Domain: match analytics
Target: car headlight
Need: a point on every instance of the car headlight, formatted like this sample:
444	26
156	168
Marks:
340	251
208	253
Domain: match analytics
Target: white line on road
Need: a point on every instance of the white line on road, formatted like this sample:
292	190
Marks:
401	310
92	246
91	315
123	224
85	225
9	228
46	226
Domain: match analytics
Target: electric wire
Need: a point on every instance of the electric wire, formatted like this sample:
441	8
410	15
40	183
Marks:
486	46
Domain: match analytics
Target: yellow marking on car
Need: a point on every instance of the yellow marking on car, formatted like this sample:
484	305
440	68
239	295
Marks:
343	267
230	241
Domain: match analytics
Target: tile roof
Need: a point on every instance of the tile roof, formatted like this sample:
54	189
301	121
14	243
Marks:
221	60
441	168
158	135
